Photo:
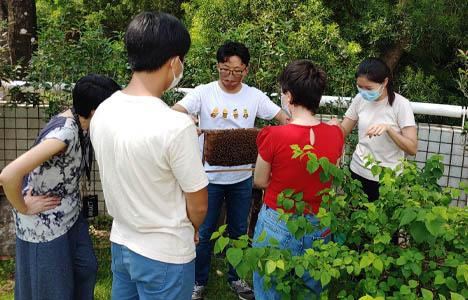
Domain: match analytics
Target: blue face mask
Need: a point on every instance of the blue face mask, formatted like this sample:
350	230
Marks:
370	95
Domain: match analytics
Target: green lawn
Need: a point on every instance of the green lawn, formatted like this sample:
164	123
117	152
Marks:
217	288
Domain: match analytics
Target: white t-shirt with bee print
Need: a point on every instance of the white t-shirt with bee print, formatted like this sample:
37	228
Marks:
217	109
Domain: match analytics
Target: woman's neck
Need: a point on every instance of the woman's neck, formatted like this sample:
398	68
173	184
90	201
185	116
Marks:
302	116
383	96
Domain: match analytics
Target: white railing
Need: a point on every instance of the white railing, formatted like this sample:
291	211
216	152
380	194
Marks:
442	110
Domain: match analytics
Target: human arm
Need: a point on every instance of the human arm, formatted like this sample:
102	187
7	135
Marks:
407	140
262	173
12	176
197	206
282	117
346	125
179	108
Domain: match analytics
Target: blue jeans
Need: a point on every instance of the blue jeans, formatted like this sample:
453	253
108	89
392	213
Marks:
138	277
238	197
268	221
62	269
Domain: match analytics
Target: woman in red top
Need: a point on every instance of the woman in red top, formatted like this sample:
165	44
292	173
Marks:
302	84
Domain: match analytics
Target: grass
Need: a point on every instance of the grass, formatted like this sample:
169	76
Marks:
99	230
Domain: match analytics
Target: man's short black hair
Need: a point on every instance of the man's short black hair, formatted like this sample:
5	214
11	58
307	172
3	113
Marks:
152	38
233	49
305	81
90	91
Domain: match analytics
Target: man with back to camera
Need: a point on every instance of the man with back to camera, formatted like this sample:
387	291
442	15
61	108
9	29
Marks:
151	172
224	104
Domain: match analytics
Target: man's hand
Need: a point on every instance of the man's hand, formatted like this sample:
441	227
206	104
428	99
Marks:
39	203
196	237
195	120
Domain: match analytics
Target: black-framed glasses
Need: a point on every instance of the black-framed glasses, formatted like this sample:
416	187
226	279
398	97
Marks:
235	73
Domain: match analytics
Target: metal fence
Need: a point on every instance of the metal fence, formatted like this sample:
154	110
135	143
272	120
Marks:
20	126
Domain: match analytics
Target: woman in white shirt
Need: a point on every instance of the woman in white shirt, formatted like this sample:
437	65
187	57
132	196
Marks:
386	126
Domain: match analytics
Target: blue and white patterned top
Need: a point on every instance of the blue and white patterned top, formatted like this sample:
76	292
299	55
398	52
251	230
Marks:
58	176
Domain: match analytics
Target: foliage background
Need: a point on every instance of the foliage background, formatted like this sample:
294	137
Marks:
419	38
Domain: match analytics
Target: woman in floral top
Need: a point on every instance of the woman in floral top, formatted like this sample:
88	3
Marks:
54	254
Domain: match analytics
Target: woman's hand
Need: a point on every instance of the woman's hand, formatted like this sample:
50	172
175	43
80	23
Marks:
39	203
376	130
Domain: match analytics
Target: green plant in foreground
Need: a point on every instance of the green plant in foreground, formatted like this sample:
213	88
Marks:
362	262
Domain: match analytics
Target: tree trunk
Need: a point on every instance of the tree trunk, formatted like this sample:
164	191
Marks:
392	56
4	53
22	31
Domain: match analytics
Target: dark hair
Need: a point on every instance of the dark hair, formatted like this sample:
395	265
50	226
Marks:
233	49
152	39
305	81
375	70
90	91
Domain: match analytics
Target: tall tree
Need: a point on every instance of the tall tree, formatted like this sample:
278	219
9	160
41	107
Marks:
22	29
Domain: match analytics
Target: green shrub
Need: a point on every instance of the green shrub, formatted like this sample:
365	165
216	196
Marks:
431	259
275	32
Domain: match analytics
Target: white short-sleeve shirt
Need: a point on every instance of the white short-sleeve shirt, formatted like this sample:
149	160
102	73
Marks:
381	148
220	110
148	156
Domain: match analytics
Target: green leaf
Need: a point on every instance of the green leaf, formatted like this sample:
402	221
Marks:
262	237
420	234
299	269
434	225
288	203
214	235
312	164
222	229
243	269
378	265
456	296
325	278
408	215
298	196
412	283
462	273
401	261
220	244
439	279
325	176
376	170
405	290
300	207
292	226
427	295
273	242
416	268
451	283
365	261
270	267
234	256
288	192
280	264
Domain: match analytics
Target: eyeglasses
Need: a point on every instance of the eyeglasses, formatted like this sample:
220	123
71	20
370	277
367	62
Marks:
235	73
